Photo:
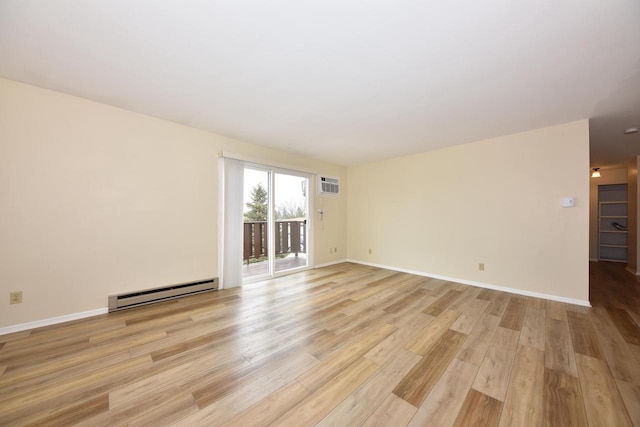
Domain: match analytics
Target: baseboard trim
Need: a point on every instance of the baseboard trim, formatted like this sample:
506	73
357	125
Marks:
594	259
632	271
480	284
52	321
75	316
328	264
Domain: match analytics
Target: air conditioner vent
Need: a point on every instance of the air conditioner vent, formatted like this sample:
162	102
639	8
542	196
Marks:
328	185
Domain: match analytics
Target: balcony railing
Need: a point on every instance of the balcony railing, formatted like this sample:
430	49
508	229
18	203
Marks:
290	239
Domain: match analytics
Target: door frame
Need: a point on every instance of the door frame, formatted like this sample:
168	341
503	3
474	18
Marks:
309	234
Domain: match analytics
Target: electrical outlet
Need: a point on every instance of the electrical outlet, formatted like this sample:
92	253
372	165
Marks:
335	250
370	251
481	266
15	297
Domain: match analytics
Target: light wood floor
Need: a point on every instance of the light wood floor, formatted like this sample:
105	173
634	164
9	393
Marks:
346	345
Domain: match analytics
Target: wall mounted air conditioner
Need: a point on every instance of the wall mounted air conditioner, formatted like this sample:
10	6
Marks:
328	185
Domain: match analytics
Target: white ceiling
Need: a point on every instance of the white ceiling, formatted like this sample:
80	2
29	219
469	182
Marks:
348	81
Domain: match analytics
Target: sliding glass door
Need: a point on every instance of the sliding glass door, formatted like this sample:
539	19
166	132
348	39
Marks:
276	228
290	221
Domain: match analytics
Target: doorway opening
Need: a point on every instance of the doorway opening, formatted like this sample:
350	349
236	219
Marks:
612	222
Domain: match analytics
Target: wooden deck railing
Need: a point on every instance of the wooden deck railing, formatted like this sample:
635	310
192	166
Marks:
290	239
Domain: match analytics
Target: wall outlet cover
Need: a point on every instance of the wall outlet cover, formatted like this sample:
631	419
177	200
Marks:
568	202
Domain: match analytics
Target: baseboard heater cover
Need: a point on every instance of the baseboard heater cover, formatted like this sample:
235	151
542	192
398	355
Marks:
149	296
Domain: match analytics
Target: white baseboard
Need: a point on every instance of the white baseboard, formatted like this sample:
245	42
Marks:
328	264
480	284
52	321
632	271
96	312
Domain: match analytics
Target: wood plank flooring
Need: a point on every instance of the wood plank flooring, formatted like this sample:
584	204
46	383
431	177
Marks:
345	345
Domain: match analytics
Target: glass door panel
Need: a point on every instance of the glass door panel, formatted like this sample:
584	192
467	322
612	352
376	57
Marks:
276	227
290	226
255	245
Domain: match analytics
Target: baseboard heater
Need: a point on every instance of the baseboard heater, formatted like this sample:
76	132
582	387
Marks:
150	296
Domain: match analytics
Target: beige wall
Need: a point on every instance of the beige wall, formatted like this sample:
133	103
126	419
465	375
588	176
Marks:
97	200
608	177
495	201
